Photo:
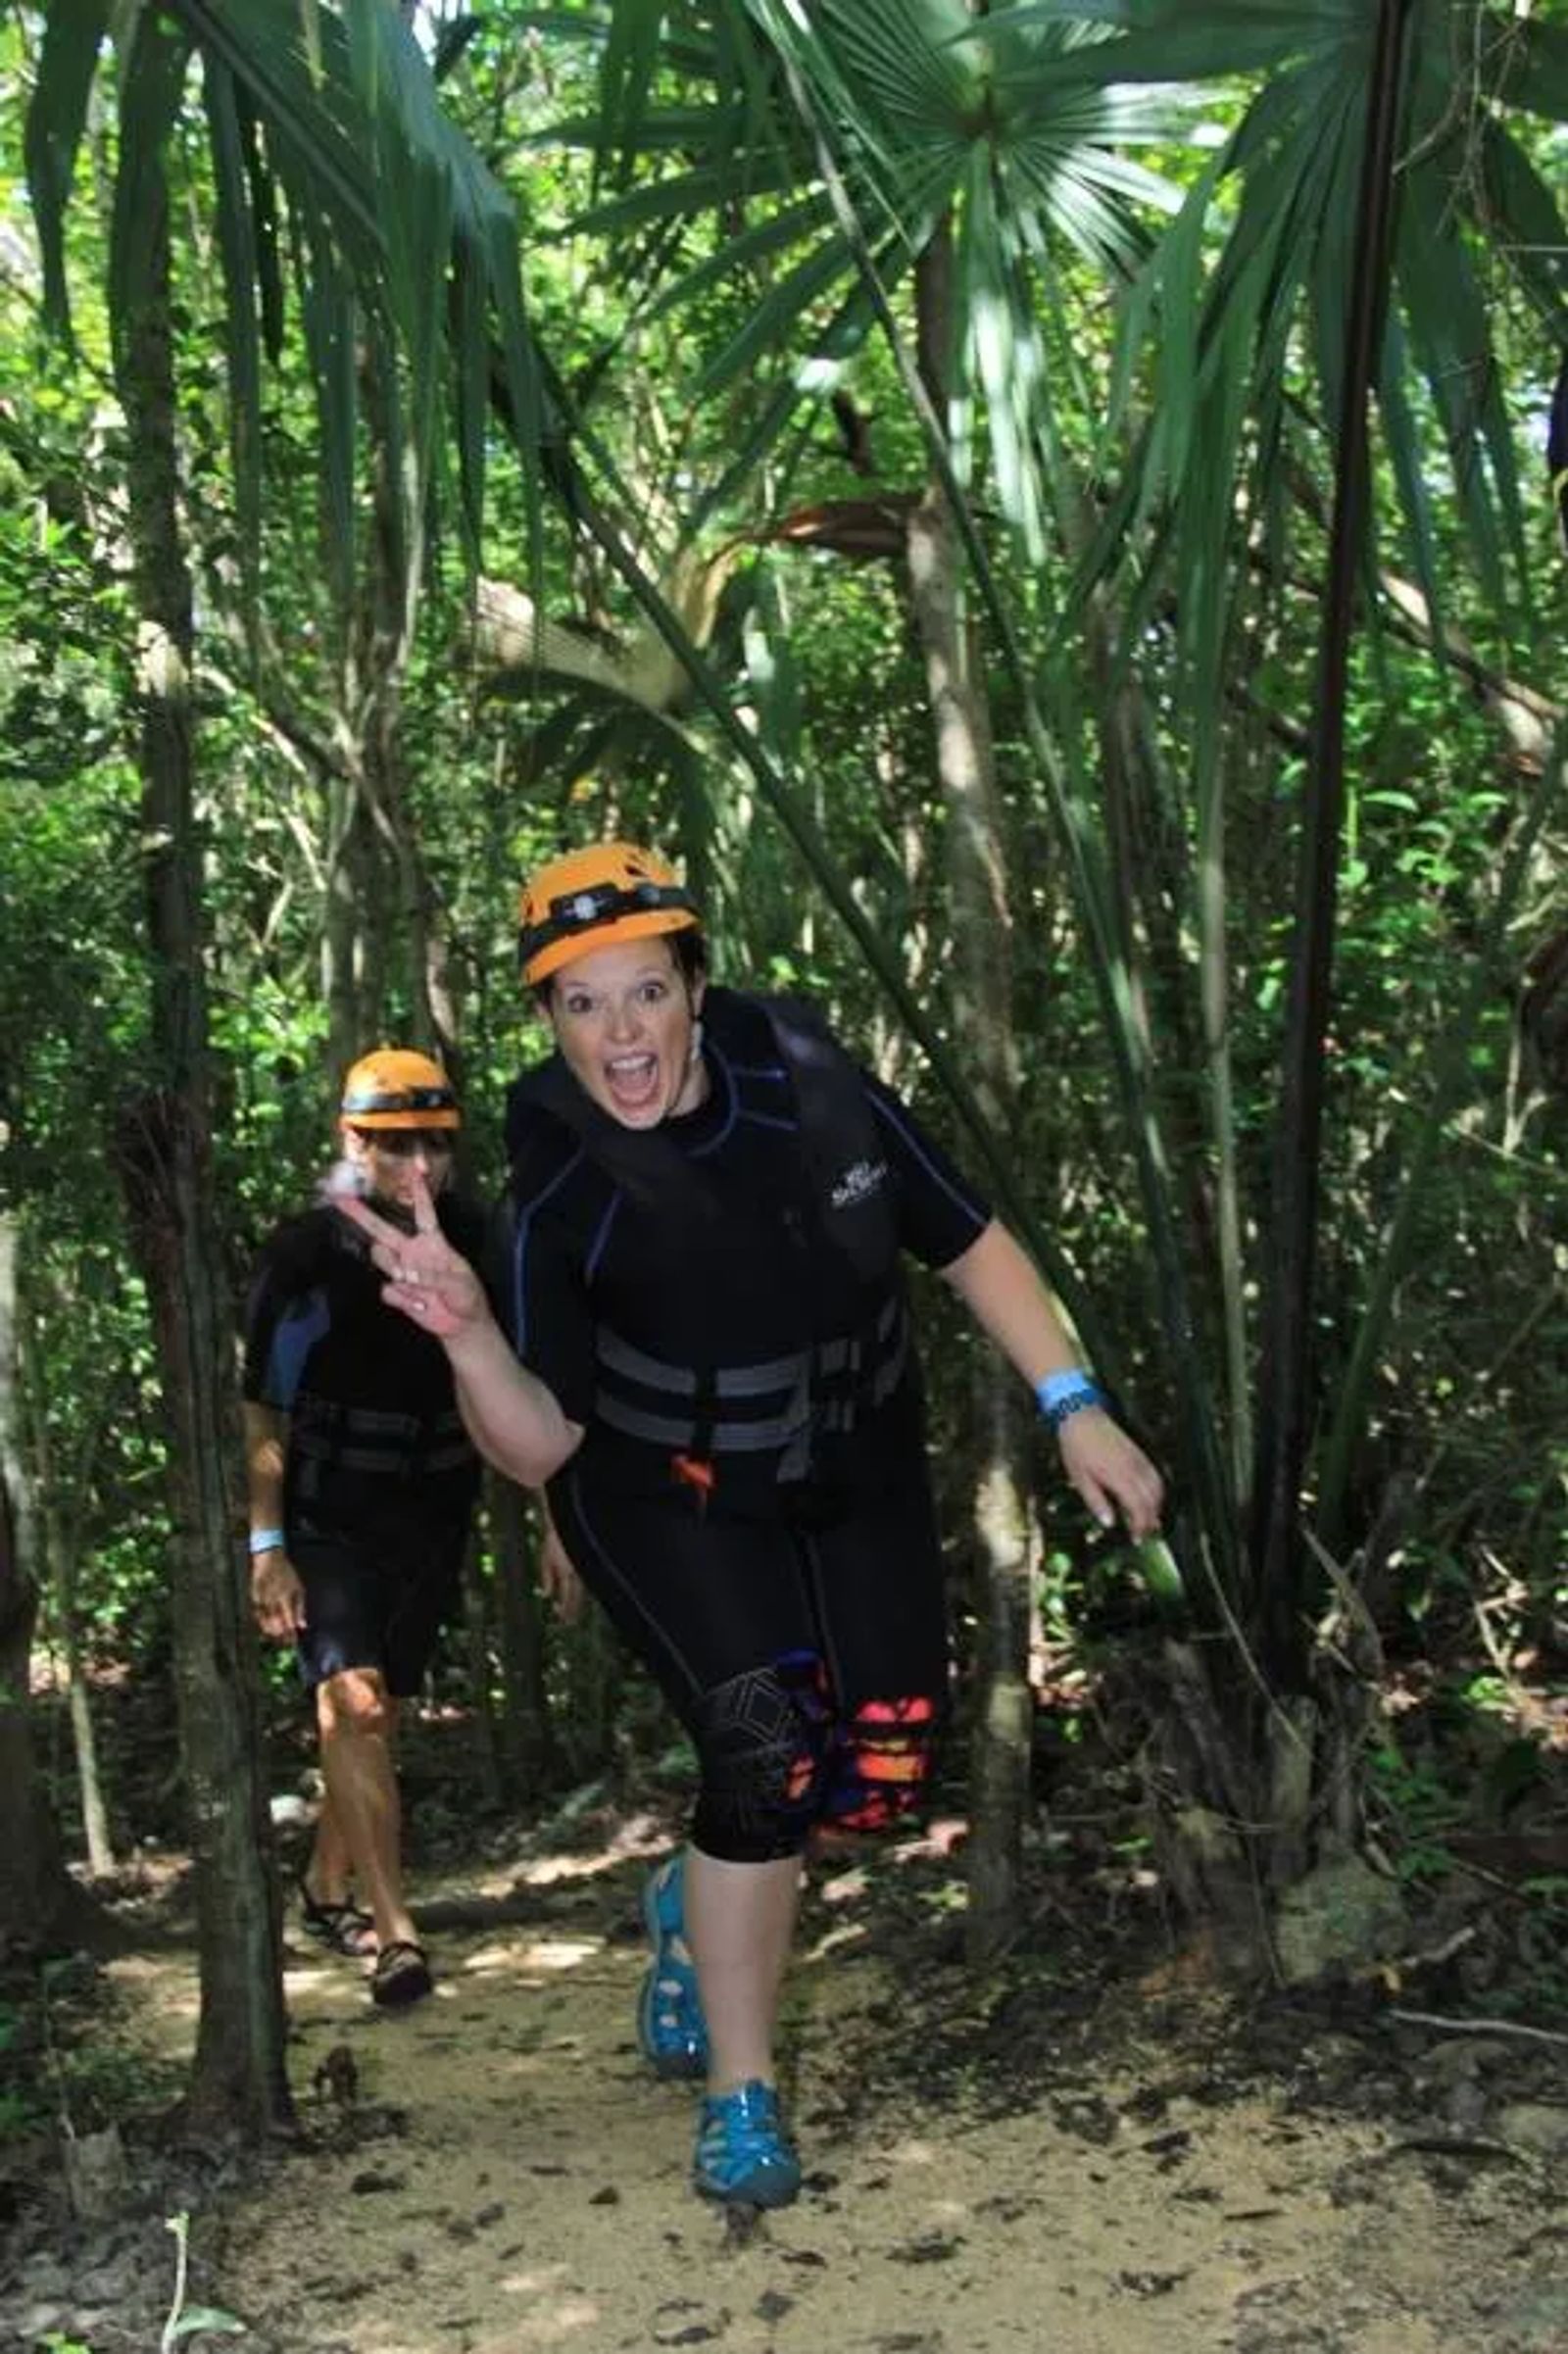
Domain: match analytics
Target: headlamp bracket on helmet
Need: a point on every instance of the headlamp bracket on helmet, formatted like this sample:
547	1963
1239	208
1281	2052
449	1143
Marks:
580	912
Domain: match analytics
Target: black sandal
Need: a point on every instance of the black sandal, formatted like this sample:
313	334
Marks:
402	1974
342	1928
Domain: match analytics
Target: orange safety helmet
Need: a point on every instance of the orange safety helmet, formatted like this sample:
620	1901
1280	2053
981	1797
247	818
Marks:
396	1087
588	897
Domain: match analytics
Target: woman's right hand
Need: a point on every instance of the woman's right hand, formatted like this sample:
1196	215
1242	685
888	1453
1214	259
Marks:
432	1283
277	1597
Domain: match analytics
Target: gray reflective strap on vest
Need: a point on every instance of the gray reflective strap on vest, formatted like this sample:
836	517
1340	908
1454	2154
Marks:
794	1379
448	1458
727	1438
376	1441
648	1372
369	1423
373	1460
730	1380
889	1374
786	1375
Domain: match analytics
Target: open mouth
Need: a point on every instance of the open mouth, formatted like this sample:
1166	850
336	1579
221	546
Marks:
632	1081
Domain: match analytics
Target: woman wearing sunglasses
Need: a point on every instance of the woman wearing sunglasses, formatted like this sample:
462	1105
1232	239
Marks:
361	1483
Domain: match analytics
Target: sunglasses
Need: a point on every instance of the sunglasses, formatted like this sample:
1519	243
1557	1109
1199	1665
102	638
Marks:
398	1098
403	1142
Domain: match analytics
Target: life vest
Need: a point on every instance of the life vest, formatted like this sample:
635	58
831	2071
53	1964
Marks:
371	1418
796	1403
325	1439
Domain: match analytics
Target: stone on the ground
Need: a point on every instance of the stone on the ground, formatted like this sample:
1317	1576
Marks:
1539	2127
1343	1916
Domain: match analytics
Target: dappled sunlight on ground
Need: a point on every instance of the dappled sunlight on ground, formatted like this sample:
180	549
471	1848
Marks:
510	2179
1068	2155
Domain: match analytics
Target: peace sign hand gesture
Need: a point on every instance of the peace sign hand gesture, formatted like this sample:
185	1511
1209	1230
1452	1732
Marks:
433	1284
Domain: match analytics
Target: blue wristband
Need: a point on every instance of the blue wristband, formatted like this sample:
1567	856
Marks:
1063	1394
266	1541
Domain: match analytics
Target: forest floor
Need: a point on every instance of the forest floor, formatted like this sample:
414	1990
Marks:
1096	2150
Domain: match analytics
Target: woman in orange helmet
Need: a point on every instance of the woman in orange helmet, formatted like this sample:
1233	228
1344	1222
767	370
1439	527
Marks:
362	1484
709	1369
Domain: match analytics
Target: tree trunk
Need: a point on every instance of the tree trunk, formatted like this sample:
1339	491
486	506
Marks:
36	1890
528	1741
982	997
1280	1580
481	1696
239	2083
62	1551
59	1524
595	1665
89	1781
385	959
353	926
1003	1746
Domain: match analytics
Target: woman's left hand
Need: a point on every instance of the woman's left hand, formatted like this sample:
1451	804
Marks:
1110	1472
557	1576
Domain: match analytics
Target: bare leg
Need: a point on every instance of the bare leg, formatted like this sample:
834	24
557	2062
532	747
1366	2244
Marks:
327	1875
739	1919
356	1719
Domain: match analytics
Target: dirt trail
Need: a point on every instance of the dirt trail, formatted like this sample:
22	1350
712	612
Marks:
508	2177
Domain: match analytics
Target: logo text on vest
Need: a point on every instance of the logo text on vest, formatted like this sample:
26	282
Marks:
860	1181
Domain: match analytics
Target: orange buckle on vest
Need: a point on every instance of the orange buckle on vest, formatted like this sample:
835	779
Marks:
694	1473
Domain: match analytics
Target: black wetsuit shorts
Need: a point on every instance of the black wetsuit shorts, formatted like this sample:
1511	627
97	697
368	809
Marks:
376	1602
805	1655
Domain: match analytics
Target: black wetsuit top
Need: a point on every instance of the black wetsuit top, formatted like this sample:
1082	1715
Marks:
376	1444
657	1320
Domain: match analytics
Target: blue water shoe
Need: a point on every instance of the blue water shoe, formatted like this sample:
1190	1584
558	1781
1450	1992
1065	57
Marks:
743	2153
670	2026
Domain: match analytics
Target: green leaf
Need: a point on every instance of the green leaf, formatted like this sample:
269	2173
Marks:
1174	41
1529	224
780	310
1526	63
759	243
626	78
204	2317
402	214
1409	473
1451	336
793	401
1157	1567
679	198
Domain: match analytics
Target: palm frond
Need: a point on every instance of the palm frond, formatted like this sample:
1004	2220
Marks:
1529	224
150	93
335	106
685	195
237	245
330	315
626	77
1171	40
68	59
1524	63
